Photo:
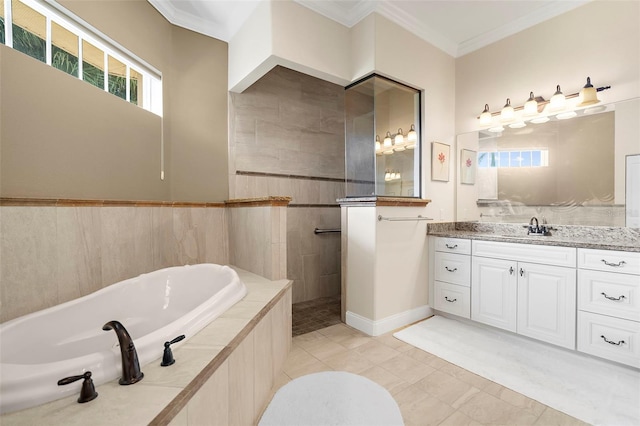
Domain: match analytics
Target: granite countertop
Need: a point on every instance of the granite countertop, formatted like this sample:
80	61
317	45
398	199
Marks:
592	237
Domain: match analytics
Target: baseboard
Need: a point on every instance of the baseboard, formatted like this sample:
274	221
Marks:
385	325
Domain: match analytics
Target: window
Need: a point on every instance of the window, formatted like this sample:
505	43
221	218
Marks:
51	34
503	159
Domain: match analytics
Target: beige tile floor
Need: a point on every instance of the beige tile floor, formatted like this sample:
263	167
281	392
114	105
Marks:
428	389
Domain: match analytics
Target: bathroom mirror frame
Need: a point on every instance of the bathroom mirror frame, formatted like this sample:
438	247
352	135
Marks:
626	142
373	103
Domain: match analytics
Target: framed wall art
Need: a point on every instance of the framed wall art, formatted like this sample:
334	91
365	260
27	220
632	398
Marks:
440	161
468	163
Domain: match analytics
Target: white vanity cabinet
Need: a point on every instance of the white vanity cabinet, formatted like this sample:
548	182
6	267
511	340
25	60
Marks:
527	289
452	276
609	305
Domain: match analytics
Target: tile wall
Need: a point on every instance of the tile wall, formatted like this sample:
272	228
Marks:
258	240
53	254
287	139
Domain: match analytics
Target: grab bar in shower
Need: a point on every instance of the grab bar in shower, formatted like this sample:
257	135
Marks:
402	219
326	231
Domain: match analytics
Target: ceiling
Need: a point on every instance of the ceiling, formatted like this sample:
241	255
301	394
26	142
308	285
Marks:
457	27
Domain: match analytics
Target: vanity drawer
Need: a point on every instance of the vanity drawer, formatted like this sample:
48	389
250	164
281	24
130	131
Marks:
453	245
453	268
522	252
611	338
624	262
453	299
616	295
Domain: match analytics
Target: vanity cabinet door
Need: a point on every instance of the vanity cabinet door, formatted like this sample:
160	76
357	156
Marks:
547	303
494	292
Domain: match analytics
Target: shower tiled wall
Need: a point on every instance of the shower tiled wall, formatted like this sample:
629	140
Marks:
287	139
53	254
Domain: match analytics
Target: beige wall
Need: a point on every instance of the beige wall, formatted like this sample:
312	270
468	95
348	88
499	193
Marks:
62	138
600	39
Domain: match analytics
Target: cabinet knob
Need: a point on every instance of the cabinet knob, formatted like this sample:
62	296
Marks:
511	271
521	272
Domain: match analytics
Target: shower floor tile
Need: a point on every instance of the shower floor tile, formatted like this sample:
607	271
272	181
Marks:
315	314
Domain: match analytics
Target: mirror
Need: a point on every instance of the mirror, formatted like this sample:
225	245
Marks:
568	171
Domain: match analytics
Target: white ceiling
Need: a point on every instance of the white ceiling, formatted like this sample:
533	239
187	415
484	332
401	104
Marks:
457	27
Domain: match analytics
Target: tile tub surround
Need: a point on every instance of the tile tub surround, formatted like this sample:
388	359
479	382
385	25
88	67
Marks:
54	251
222	375
594	237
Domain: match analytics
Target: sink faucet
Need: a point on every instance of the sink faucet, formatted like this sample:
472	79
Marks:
532	229
130	366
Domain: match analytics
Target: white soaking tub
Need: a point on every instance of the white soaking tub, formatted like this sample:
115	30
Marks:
38	349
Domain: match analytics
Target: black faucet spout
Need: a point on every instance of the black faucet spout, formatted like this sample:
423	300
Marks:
130	365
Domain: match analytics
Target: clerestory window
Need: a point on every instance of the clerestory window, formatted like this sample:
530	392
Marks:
49	33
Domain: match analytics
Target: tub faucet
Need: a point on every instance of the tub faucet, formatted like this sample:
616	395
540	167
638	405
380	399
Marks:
130	366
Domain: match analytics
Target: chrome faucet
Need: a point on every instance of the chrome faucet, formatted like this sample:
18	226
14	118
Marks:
537	229
532	229
130	366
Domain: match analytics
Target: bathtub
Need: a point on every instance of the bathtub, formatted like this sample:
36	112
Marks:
38	349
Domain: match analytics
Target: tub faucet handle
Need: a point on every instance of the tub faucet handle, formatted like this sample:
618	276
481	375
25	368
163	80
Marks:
167	356
88	391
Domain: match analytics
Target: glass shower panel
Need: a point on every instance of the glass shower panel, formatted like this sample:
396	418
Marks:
382	139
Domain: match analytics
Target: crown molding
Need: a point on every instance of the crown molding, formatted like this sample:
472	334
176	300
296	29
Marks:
348	18
191	22
393	12
536	17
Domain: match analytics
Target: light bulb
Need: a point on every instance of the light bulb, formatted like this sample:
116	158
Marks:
485	117
378	144
398	176
531	106
507	113
557	101
387	176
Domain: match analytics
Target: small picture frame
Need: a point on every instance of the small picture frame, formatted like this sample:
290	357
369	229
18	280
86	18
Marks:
440	161
468	164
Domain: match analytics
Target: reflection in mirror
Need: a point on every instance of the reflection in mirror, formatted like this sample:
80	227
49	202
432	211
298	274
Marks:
569	171
382	138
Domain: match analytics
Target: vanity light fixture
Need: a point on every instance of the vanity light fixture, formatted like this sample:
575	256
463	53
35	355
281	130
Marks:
588	95
398	141
507	114
412	138
538	105
485	117
558	101
531	106
389	176
387	146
